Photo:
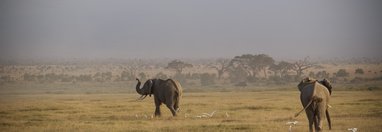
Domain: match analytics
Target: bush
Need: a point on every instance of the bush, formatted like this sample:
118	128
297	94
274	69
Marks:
238	75
322	74
357	80
142	76
342	73
195	76
161	75
127	76
311	74
5	78
359	71
276	80
67	78
207	79
181	78
29	77
84	78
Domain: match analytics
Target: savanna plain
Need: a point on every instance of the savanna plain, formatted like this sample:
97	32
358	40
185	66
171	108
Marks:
236	110
102	97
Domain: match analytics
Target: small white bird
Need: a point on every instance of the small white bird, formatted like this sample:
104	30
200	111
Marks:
352	129
226	115
292	122
145	116
136	116
209	115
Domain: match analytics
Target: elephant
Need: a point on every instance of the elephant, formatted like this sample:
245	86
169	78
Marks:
327	84
168	92
314	96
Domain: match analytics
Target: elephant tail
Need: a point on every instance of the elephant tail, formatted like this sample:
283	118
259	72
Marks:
313	99
328	118
310	102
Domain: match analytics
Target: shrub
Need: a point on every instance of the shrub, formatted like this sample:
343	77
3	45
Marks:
359	71
238	75
207	79
276	80
311	74
142	76
322	74
357	80
161	75
125	75
342	73
29	77
181	78
84	78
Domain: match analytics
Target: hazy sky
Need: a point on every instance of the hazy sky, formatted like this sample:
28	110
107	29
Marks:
186	29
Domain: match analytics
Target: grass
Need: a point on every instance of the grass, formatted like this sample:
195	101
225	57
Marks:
248	111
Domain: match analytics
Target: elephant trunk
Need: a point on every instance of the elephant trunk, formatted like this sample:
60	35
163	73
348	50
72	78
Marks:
137	87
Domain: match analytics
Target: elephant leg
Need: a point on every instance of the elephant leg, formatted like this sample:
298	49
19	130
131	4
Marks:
320	116
170	105
328	118
157	107
176	105
311	119
157	111
318	123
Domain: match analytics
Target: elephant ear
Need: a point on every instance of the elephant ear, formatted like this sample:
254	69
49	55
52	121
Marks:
327	84
304	82
150	86
300	85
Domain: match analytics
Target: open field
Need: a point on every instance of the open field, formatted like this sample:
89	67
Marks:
247	111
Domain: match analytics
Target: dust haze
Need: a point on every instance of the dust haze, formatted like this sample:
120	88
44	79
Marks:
74	65
46	29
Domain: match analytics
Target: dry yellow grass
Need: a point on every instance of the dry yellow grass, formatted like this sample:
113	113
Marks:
248	111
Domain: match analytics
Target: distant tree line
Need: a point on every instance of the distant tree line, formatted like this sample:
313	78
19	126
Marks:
239	70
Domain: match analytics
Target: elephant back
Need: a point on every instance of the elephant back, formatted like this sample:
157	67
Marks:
322	91
177	86
306	82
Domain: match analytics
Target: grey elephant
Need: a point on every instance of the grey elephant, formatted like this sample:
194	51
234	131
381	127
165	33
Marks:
315	97
168	92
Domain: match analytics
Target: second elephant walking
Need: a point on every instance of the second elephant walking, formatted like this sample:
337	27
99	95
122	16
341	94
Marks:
168	92
315	97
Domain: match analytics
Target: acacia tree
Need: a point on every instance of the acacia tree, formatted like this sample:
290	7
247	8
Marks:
178	66
221	66
243	62
133	67
263	62
300	66
281	68
253	63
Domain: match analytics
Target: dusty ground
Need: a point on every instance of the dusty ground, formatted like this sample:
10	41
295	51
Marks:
235	111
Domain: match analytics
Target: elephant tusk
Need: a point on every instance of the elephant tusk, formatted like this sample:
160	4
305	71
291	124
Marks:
142	97
329	106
